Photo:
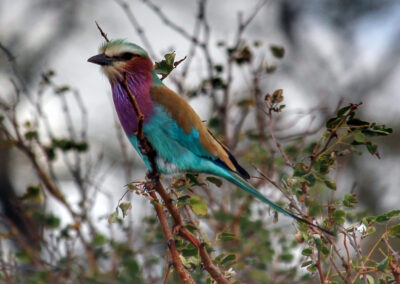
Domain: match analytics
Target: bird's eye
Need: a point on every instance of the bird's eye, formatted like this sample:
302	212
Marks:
126	56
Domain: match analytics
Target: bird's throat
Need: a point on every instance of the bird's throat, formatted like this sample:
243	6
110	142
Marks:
139	85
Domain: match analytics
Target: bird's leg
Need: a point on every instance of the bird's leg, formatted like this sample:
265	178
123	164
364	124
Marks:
169	242
149	187
176	229
142	148
153	175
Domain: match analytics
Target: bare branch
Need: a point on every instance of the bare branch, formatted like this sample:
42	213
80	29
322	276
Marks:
139	29
103	34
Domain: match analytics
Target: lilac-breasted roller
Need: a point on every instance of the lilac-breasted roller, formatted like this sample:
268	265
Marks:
181	140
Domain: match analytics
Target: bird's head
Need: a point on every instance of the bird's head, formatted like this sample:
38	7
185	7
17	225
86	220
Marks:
118	57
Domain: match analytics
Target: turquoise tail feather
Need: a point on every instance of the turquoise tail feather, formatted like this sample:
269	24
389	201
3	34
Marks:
244	185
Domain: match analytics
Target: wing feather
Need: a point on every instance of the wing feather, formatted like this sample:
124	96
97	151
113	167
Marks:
187	119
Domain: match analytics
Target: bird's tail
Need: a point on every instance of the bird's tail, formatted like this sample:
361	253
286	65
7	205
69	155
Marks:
244	185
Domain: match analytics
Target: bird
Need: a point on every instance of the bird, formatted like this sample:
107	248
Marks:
181	140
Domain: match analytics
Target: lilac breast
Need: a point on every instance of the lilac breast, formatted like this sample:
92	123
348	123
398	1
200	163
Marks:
126	113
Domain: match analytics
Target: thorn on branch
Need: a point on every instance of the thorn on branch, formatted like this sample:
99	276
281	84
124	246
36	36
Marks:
103	34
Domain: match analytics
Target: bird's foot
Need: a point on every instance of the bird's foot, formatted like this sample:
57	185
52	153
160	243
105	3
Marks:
176	229
169	242
153	175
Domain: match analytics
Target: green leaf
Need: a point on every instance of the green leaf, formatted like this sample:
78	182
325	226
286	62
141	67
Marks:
270	69
387	216
225	236
312	268
125	207
198	205
113	217
214	180
315	208
189	250
214	122
378	130
372	147
277	51
165	66
31	135
306	263
370	230
218	83
228	260
324	250
242	54
62	89
286	257
370	279
330	184
132	186
339	216
310	178
67	145
33	193
343	110
333	122
306	252
183	200
357	122
300	169
245	103
381	266
51	221
359	137
22	256
323	163
193	179
350	199
395	230
219	68
99	240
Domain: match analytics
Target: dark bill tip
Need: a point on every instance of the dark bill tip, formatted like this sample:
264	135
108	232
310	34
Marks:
100	59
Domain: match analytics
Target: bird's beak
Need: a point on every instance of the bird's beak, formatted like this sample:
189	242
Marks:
101	59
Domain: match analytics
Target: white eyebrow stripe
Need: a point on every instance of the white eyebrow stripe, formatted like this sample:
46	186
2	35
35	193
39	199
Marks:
118	50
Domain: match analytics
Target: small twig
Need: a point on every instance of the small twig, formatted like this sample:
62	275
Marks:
393	263
290	198
337	268
166	275
333	134
196	31
278	145
213	270
346	247
192	38
103	34
168	22
319	267
238	127
345	264
176	261
139	30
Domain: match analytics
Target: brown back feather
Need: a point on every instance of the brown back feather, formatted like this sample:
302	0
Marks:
187	119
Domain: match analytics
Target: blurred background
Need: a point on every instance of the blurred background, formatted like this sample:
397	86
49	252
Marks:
336	52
